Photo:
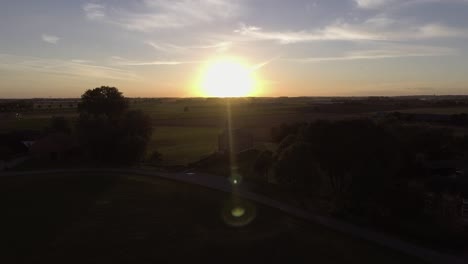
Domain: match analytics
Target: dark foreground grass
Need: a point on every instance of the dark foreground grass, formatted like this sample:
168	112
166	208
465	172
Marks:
136	219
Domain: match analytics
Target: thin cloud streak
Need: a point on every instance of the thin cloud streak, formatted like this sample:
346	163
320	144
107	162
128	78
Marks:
94	11
51	39
379	4
386	53
172	48
63	67
263	64
119	61
165	14
372	30
291	37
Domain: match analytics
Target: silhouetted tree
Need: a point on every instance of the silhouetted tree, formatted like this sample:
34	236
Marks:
103	100
296	168
155	157
136	130
285	143
108	131
281	132
431	143
137	123
368	164
263	164
357	156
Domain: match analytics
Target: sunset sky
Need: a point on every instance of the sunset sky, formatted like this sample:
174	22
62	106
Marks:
152	48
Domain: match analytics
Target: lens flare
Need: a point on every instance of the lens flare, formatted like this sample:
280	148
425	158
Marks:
238	213
235	179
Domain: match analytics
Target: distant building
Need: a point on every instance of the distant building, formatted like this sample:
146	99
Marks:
235	140
28	143
11	148
14	147
56	146
447	195
56	104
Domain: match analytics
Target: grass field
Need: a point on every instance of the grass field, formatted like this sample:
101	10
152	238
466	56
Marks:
438	110
183	145
135	219
185	136
23	124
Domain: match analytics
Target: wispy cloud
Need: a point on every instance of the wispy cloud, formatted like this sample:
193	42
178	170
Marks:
82	61
94	11
372	4
263	64
333	32
440	31
72	68
385	52
119	61
51	39
160	14
379	4
375	29
172	48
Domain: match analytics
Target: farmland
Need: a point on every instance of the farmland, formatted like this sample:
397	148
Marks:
186	129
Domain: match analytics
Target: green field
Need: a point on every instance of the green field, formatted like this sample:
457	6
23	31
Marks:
91	218
183	145
180	136
183	136
28	123
438	110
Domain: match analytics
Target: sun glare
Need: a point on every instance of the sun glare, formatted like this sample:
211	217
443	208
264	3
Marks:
227	78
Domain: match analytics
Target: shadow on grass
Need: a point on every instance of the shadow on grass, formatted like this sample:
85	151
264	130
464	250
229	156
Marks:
36	208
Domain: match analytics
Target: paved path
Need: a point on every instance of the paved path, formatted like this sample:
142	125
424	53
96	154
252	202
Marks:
244	190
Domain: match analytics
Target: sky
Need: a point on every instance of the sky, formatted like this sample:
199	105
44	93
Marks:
159	48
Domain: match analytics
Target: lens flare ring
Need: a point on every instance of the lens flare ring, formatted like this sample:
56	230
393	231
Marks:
238	213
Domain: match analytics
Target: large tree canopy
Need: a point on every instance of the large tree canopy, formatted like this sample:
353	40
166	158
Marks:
103	100
108	131
296	168
364	161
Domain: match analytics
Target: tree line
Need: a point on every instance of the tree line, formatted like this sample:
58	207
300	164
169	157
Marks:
365	165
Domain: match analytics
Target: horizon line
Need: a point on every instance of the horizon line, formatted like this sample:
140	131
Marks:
239	97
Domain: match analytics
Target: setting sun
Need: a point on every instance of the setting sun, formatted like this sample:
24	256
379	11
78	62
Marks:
227	78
